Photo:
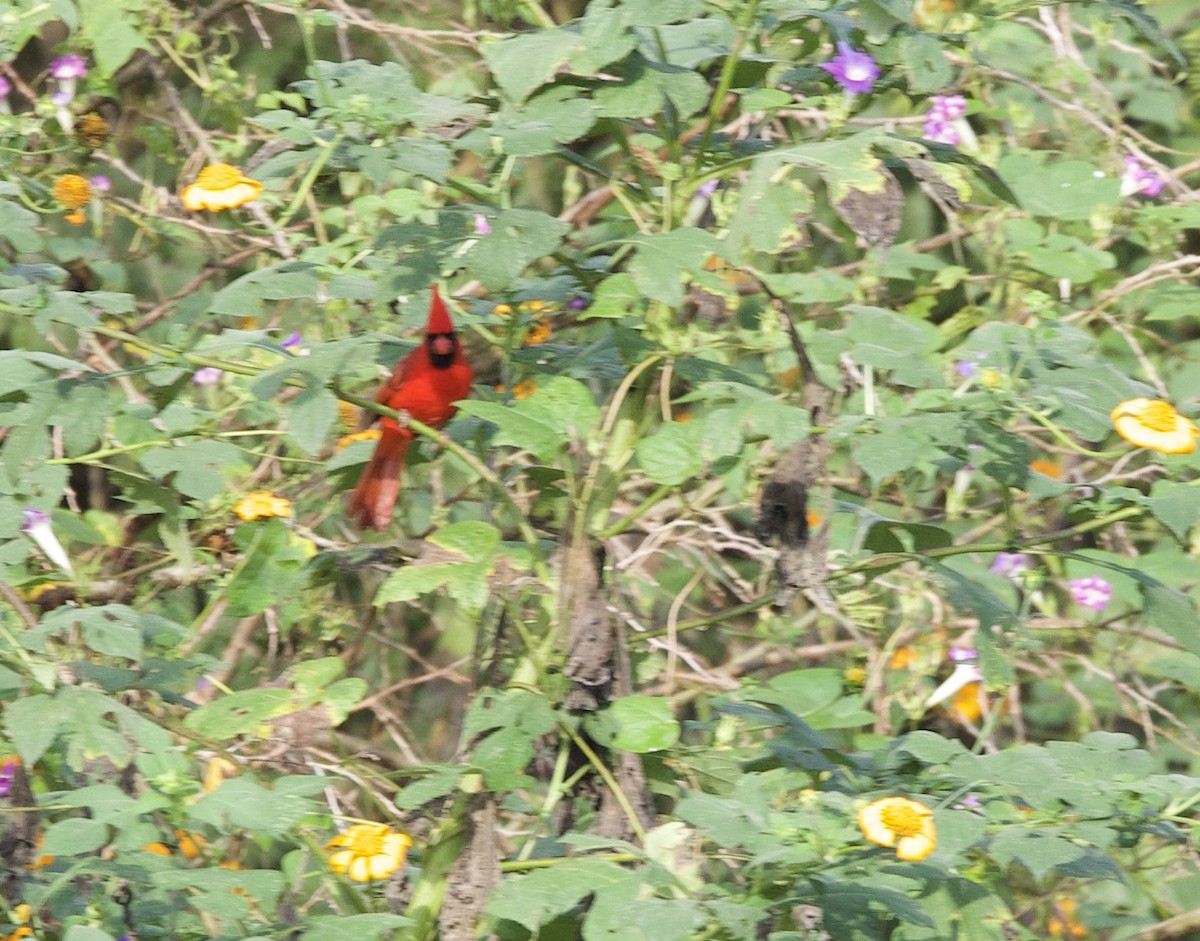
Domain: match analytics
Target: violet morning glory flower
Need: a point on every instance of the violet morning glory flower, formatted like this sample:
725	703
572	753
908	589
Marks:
8	771
1140	180
5	87
854	71
482	226
293	343
1091	592
1009	563
68	67
207	376
37	528
101	182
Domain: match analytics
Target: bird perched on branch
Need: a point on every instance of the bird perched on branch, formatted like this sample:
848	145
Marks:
424	385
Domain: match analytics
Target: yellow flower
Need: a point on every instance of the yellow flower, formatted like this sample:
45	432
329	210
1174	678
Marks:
347	414
854	676
538	333
1154	424
42	861
370	434
502	310
220	186
76	217
902	823
262	504
524	389
93	130
23	932
966	704
216	772
72	191
368	851
190	844
1065	926
1049	468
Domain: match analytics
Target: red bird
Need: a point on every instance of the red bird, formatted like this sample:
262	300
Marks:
425	384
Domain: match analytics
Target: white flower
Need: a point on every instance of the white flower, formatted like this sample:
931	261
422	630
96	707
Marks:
37	527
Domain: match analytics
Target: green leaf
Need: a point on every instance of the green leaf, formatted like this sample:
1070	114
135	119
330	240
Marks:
617	296
1039	851
644	723
311	415
74	836
671	455
662	260
355	927
240	803
85	933
32	722
285	281
926	66
473	539
503	756
442	780
1062	189
529	60
517	429
534	899
648	86
240	713
1175	505
518	238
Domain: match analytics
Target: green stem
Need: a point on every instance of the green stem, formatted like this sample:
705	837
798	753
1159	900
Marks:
725	82
609	780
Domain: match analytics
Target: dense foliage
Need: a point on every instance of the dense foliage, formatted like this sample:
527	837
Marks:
904	267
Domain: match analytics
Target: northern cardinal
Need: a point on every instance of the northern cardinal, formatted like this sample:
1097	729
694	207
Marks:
425	384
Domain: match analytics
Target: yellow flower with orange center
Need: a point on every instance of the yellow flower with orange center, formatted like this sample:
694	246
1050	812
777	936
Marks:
902	823
1154	424
72	191
262	504
368	851
371	434
220	186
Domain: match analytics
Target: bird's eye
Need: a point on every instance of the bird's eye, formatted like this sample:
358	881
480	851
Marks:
441	345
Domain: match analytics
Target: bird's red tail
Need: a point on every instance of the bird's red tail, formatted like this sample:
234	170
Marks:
374	498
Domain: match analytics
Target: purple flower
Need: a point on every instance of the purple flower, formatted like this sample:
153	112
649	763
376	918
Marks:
482	226
207	376
941	132
37	528
961	654
970	802
68	67
101	183
578	303
8	771
1140	180
965	368
1009	563
947	108
1091	592
5	87
707	189
854	71
293	344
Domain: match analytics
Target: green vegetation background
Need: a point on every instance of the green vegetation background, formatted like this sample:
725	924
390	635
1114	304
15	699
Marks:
677	248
